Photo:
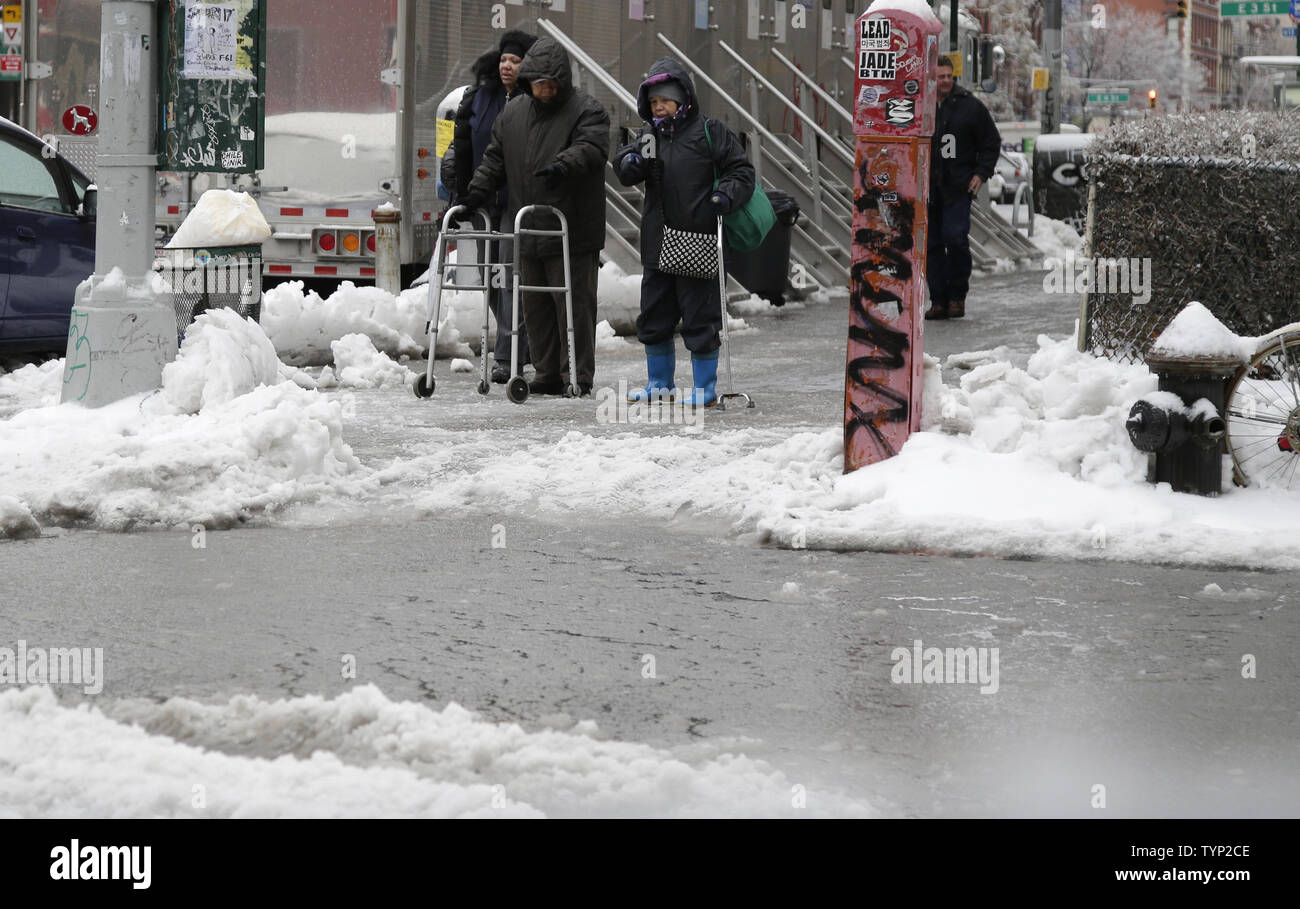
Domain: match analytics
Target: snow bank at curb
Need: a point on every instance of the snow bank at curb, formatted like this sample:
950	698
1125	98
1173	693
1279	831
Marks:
357	755
227	438
1019	463
302	325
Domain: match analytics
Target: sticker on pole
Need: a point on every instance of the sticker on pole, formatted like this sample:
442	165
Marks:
80	120
896	53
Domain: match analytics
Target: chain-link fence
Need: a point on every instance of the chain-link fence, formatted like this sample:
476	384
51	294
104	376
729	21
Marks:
211	278
1219	230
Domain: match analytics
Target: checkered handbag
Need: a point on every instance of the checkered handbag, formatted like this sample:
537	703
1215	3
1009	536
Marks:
689	254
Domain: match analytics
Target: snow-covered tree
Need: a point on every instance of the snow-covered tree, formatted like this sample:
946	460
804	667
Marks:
1011	24
1123	45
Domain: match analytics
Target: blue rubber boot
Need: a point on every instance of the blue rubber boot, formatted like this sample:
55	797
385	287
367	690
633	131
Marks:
704	367
660	365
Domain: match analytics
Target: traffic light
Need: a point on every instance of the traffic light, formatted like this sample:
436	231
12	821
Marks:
1182	9
1151	98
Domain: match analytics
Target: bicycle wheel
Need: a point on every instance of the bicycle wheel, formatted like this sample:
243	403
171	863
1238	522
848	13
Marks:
1263	405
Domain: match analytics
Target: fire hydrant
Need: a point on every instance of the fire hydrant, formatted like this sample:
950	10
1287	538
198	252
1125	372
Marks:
1181	426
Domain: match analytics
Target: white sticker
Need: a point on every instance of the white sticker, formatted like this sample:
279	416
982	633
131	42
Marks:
211	40
878	66
874	35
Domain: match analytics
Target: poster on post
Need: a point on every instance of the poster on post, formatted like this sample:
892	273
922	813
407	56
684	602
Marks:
212	86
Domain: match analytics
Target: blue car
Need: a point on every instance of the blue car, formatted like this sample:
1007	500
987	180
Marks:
47	241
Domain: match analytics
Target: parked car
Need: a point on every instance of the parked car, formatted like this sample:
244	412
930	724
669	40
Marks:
47	241
1013	168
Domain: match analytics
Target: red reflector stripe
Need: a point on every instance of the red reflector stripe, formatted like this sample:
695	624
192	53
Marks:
336	212
291	212
173	209
280	269
327	269
428	216
367	271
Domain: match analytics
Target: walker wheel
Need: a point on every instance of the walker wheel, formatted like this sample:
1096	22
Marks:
423	386
483	387
517	390
571	391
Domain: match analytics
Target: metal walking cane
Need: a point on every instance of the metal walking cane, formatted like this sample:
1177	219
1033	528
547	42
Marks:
726	349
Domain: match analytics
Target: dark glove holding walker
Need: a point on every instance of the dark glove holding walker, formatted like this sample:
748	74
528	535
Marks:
552	174
473	200
719	203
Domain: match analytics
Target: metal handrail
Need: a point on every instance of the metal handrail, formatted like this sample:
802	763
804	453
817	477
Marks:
821	93
740	109
586	61
834	144
1022	192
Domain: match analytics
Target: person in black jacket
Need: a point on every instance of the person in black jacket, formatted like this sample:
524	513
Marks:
964	152
495	83
549	146
680	165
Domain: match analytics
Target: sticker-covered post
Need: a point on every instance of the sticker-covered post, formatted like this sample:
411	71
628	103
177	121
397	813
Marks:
896	55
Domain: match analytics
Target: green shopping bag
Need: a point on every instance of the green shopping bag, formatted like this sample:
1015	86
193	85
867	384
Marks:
745	227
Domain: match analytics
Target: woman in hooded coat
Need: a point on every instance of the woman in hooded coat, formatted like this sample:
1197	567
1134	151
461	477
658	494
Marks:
496	82
692	177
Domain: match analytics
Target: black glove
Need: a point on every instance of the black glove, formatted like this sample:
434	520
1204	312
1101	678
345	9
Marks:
719	203
552	174
474	199
632	167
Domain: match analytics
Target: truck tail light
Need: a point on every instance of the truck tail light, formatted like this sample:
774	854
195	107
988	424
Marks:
324	241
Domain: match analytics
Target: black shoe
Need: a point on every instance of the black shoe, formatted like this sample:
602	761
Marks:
538	387
957	308
584	389
936	312
500	374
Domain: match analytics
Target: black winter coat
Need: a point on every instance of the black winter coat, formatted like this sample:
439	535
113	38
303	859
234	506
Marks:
975	145
479	107
680	166
573	131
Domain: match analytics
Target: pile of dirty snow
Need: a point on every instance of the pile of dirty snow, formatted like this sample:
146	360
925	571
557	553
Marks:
302	325
228	437
357	364
360	755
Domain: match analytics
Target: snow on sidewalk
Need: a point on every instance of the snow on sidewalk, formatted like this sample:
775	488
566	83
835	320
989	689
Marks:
1012	462
228	437
359	755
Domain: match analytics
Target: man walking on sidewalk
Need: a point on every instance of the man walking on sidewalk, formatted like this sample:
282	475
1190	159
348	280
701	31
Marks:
964	152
